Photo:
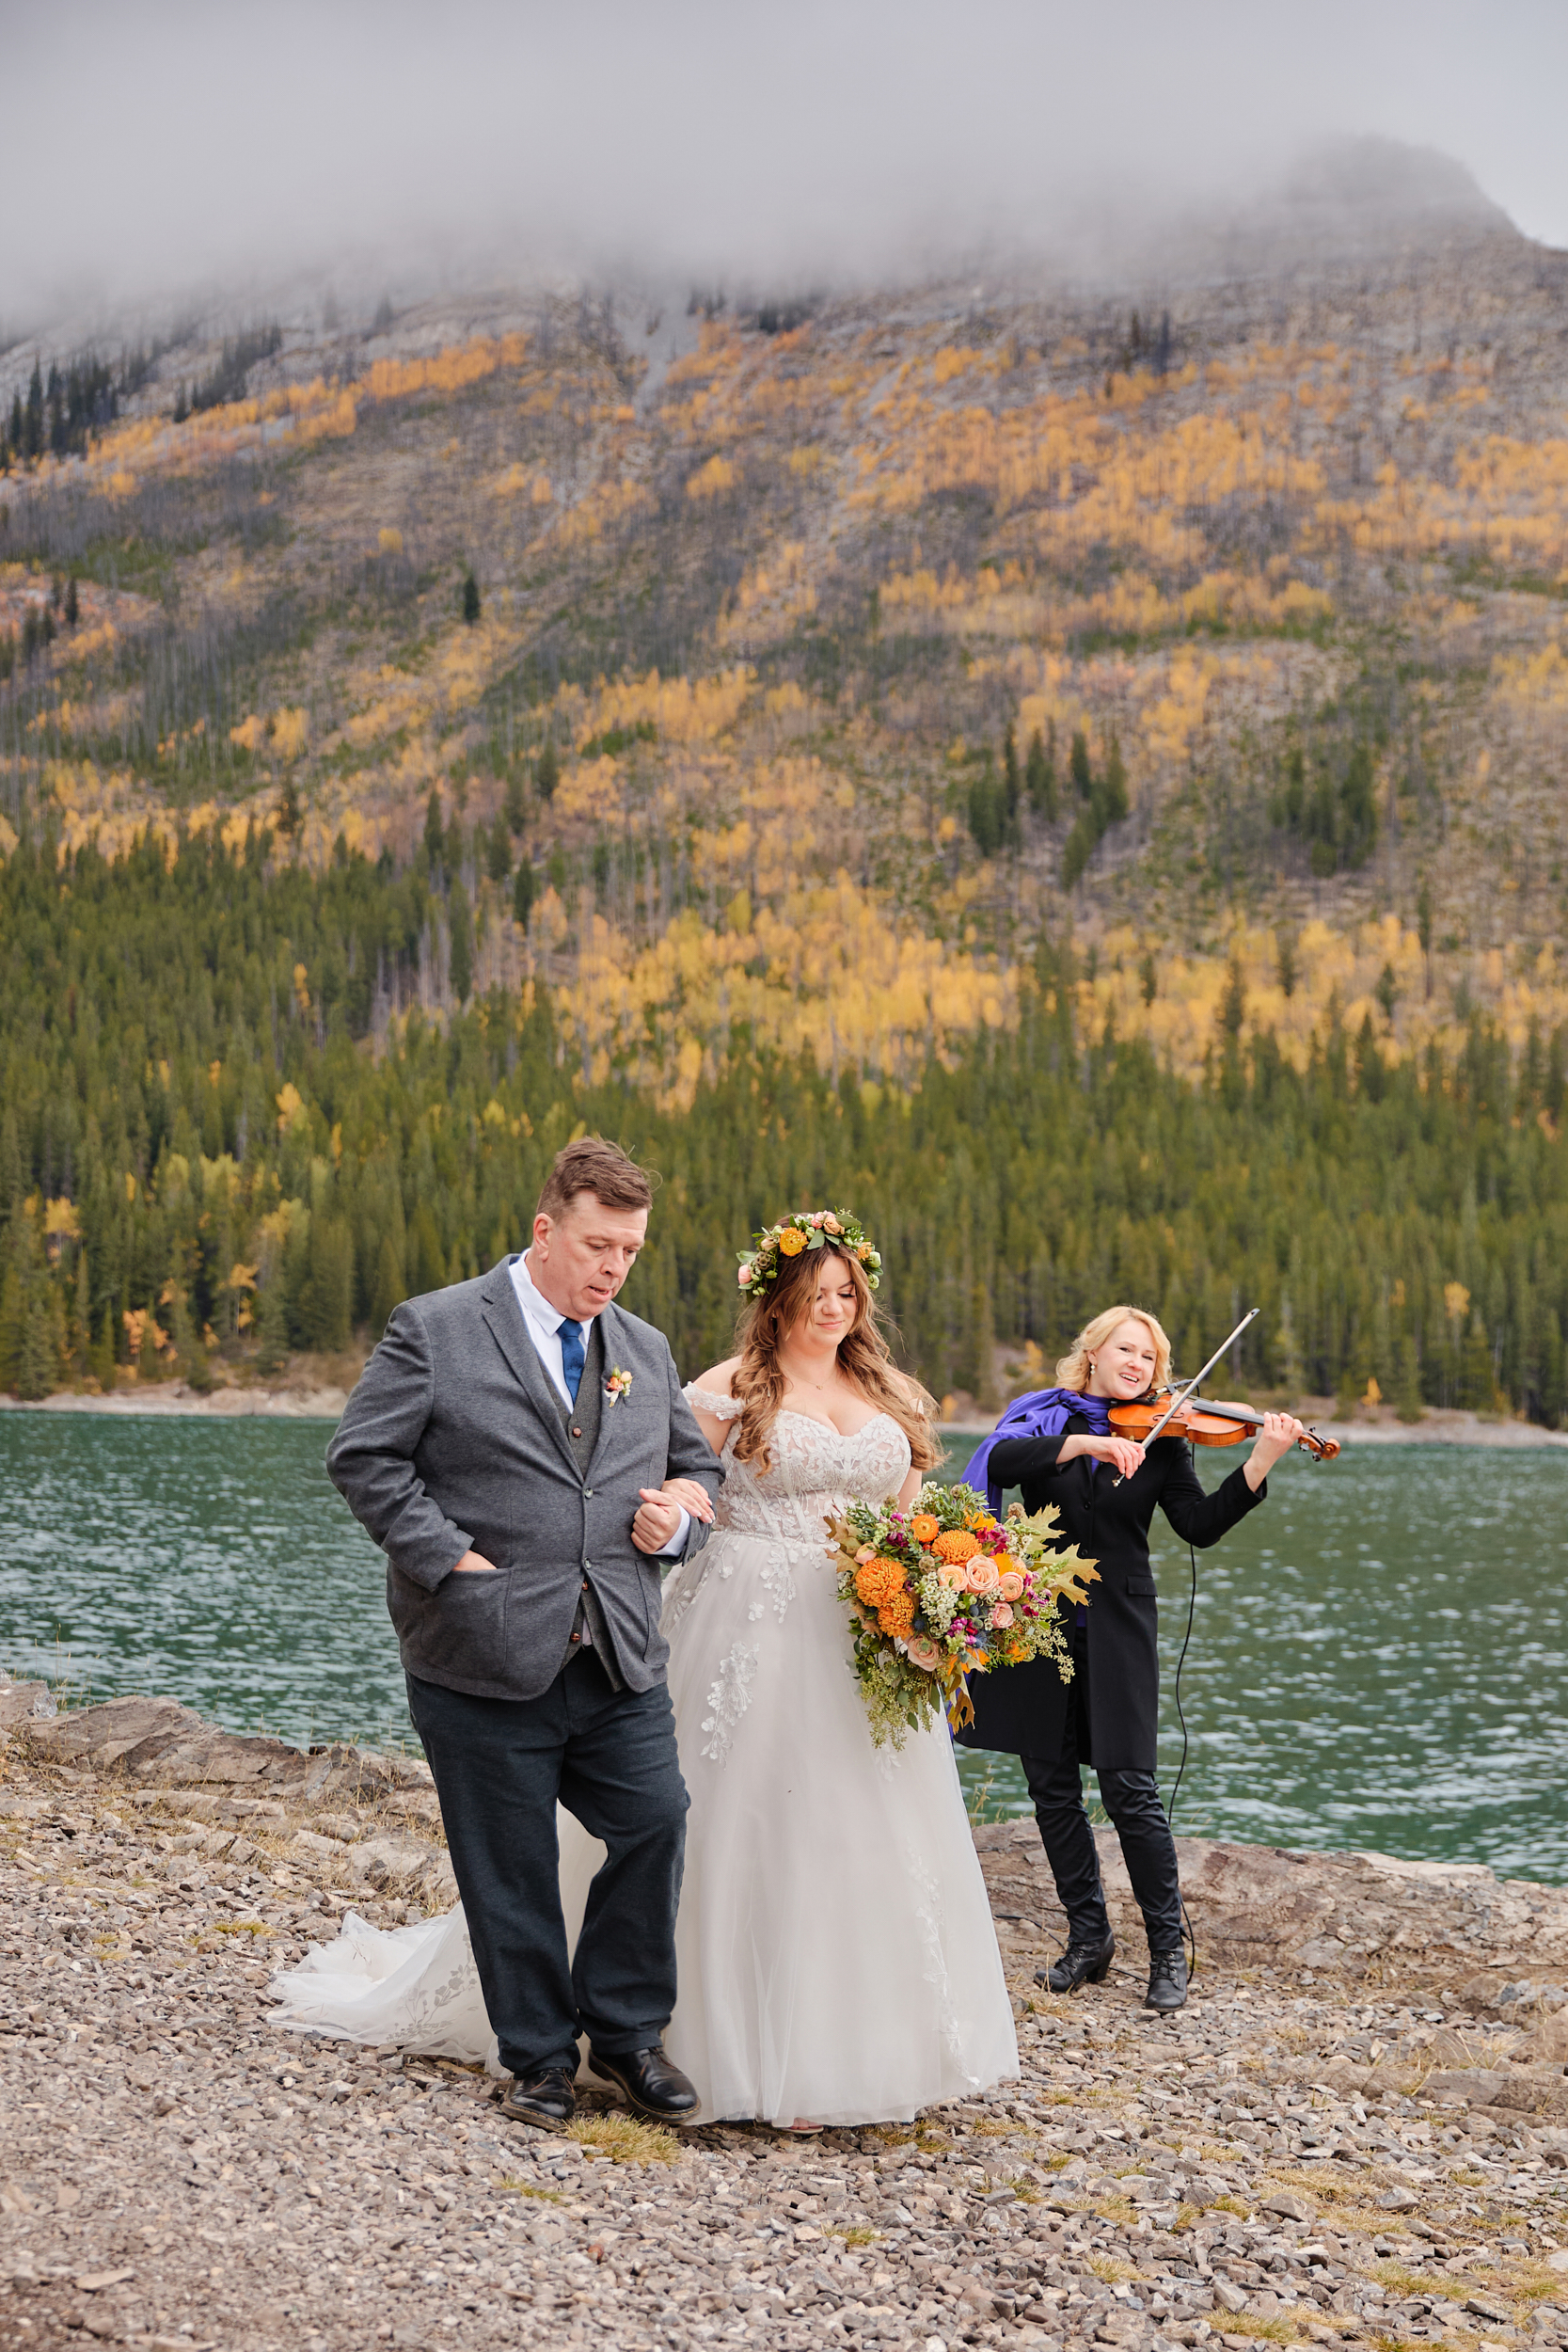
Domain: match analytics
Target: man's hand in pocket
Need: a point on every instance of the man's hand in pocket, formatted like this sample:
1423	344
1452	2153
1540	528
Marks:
474	1563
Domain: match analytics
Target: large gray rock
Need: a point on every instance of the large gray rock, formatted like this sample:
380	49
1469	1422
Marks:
146	1740
25	1702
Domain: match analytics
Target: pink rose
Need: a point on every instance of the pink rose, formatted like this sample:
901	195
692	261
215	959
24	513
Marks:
1012	1585
831	1224
1000	1615
923	1654
953	1575
867	1551
981	1575
743	1276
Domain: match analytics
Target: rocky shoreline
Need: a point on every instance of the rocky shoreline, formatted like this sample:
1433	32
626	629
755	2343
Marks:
326	1403
1356	2132
163	1403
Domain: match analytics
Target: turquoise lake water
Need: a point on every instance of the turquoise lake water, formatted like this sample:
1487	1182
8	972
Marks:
1379	1656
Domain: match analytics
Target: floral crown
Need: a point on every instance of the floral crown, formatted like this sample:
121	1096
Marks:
809	1229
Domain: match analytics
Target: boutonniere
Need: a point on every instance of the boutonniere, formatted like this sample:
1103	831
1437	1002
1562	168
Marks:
616	1387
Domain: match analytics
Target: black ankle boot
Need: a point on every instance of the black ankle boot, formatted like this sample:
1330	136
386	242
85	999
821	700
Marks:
1168	1980
1081	1964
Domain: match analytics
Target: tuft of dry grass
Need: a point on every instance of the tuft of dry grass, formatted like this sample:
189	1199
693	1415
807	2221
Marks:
625	2139
1115	2208
527	2188
1276	2330
1403	2280
857	2237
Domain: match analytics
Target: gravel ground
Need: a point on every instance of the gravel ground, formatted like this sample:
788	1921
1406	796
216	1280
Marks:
1376	2150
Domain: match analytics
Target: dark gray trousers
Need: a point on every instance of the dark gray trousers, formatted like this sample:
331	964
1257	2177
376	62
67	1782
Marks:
610	1757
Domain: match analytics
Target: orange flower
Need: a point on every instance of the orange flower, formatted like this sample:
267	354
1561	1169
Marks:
982	1577
958	1543
923	1528
896	1613
877	1581
1012	1583
1016	1653
792	1240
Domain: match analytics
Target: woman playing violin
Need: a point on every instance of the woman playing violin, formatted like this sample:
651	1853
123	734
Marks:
1059	1446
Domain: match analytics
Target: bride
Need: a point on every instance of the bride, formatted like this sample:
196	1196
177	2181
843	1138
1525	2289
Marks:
837	1959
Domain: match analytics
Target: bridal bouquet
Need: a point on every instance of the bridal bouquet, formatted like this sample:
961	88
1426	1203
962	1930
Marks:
943	1590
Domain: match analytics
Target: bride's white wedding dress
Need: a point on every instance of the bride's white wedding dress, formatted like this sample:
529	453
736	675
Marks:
837	1957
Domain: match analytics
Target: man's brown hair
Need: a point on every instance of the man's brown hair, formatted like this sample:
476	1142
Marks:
592	1164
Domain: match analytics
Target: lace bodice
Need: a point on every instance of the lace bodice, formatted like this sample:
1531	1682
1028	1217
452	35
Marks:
816	1470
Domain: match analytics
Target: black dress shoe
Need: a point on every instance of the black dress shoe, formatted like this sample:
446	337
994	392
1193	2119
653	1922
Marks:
1081	1964
653	2086
545	2100
1168	1980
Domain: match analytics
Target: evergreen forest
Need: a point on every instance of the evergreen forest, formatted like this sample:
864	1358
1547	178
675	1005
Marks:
202	1158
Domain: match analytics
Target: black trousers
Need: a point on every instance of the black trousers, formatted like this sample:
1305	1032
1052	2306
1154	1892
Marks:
1132	1802
610	1757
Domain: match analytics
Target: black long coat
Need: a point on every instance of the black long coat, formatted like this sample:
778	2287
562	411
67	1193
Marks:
1023	1710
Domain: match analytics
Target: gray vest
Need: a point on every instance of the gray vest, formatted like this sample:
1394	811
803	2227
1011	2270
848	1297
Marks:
588	1630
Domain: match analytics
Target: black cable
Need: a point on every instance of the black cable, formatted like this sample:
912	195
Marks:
1170	1808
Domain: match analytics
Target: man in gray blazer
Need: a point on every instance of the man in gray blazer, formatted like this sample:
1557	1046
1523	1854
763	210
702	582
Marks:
520	1449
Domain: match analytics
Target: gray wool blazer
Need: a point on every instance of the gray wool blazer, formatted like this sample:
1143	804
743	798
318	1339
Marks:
454	1440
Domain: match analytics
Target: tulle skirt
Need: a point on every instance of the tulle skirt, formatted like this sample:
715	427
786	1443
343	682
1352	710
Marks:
837	1962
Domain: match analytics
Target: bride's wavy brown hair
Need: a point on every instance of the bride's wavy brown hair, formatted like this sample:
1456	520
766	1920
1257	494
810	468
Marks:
759	1382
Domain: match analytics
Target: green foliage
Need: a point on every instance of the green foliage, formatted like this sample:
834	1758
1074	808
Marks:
524	891
471	606
291	813
159	1069
1334	813
993	802
1039	775
615	741
460	925
273	1331
1105	805
547	775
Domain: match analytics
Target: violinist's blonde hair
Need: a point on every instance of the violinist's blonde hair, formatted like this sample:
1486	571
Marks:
1072	1370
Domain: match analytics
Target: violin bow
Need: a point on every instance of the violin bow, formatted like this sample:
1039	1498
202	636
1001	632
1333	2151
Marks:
1180	1396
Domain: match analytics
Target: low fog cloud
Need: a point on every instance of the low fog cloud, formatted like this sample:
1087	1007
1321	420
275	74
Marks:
155	146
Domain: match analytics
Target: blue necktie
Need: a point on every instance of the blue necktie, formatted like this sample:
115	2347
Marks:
574	1355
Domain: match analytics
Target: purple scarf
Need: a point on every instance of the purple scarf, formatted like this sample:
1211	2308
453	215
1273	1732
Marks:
1044	1413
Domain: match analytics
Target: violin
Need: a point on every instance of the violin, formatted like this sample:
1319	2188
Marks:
1205	1422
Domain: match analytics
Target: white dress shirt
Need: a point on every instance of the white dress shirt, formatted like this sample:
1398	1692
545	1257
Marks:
543	1323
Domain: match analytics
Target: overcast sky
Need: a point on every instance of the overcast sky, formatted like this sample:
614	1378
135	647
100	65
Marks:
154	144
